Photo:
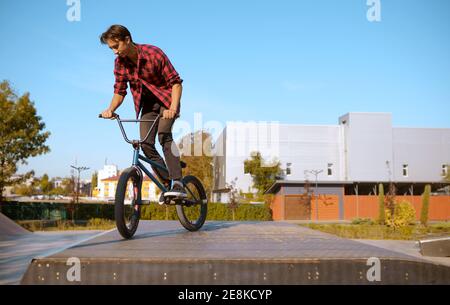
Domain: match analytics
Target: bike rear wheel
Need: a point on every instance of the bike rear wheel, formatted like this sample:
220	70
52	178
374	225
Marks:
127	208
192	210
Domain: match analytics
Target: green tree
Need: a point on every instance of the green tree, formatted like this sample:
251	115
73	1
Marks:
23	190
425	205
234	198
381	209
263	176
390	199
21	134
196	152
57	191
94	180
68	185
45	184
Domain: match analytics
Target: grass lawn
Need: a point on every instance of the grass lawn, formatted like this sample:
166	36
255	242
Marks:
374	231
67	225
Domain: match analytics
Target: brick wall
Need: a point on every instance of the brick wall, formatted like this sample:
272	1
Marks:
367	206
364	207
277	207
328	207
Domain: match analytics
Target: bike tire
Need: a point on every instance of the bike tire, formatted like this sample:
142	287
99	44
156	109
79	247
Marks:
127	220
184	213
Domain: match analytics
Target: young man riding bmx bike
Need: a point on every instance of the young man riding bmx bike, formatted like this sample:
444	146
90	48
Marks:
156	89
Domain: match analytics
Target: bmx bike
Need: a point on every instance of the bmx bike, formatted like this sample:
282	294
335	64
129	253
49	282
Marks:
191	210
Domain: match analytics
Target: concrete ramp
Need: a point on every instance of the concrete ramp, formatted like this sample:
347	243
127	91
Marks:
228	253
438	247
9	228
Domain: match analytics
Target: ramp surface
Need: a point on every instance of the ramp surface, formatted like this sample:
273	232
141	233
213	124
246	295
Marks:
254	253
8	227
439	247
17	251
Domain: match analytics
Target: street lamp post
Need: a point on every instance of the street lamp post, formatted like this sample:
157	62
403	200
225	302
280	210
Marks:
79	169
316	173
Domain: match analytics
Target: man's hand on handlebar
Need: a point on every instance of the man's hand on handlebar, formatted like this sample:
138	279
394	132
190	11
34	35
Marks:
107	114
169	114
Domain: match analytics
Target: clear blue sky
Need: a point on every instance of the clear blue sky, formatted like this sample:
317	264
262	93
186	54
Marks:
305	62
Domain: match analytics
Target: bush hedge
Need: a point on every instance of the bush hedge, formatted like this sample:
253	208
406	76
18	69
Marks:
216	211
60	211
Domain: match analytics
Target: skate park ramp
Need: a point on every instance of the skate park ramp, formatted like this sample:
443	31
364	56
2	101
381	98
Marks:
19	246
9	228
230	253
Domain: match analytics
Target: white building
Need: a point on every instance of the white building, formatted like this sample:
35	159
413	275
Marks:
57	182
148	189
108	171
108	177
362	150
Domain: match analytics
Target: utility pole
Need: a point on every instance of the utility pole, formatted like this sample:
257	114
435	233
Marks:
79	169
316	173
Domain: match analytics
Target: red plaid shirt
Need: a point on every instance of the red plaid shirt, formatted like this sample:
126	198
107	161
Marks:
154	70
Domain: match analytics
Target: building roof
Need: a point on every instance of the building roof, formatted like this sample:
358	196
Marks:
274	188
277	184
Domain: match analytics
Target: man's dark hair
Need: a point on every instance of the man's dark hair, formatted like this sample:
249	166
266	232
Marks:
114	32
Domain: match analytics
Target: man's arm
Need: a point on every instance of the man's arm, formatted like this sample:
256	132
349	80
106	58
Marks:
176	96
177	89
115	103
120	89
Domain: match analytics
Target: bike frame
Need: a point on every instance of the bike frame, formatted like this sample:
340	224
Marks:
137	146
137	156
127	225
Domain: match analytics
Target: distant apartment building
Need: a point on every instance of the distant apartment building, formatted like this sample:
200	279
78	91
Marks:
350	158
148	190
106	172
108	177
58	182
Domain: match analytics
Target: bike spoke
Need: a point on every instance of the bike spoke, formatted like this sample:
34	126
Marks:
189	190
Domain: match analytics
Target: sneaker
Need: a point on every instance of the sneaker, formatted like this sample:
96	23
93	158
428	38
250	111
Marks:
176	191
161	199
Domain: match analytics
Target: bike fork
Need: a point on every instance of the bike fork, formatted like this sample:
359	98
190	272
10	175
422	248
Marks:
137	188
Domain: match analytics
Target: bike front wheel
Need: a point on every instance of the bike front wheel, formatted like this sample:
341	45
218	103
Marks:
127	208
192	210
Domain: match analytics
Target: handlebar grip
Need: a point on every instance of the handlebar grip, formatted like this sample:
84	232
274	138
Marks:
114	116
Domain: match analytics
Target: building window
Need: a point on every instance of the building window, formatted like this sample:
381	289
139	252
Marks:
330	169
444	170
405	170
288	169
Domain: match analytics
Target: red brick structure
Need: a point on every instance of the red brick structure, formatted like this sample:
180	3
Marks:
291	203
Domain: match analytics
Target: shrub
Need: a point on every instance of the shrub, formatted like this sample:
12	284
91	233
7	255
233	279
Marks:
216	211
425	205
404	215
98	222
381	215
361	221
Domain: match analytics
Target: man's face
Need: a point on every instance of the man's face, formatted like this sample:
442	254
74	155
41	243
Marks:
119	47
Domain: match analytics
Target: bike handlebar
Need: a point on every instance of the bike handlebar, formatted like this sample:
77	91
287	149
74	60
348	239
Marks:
119	121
